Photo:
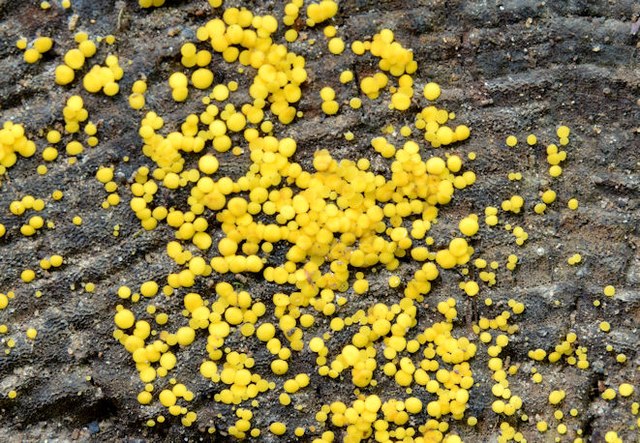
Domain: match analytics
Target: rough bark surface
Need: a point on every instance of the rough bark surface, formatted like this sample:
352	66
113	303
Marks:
505	68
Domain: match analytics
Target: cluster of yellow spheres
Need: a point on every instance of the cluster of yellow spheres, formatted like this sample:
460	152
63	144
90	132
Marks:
13	141
105	176
341	216
316	231
74	59
104	78
74	113
39	46
335	222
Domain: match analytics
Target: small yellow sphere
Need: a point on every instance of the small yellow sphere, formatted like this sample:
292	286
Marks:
28	275
185	336
431	91
279	367
74	58
43	44
31	55
336	45
64	75
202	78
277	428
469	226
124	319
626	389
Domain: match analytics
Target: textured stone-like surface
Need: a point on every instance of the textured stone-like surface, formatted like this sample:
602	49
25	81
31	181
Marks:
518	68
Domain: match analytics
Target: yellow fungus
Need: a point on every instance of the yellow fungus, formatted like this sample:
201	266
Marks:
413	405
31	55
28	275
43	44
360	286
202	78
548	196
124	319
556	397
265	332
277	428
279	367
471	288
220	93
185	336
330	107
609	394
346	77
104	175
74	58
291	35
335	222
56	260
625	389
319	12
167	398
563	131
555	171
469	226
431	91
336	45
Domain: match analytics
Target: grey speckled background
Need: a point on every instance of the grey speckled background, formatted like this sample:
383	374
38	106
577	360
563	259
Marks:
505	67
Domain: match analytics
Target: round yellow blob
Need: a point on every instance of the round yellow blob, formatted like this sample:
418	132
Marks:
64	75
202	78
431	91
469	226
124	319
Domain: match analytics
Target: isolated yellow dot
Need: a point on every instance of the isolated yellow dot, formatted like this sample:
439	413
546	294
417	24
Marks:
556	397
469	226
28	275
277	428
625	389
202	78
149	288
336	45
431	91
